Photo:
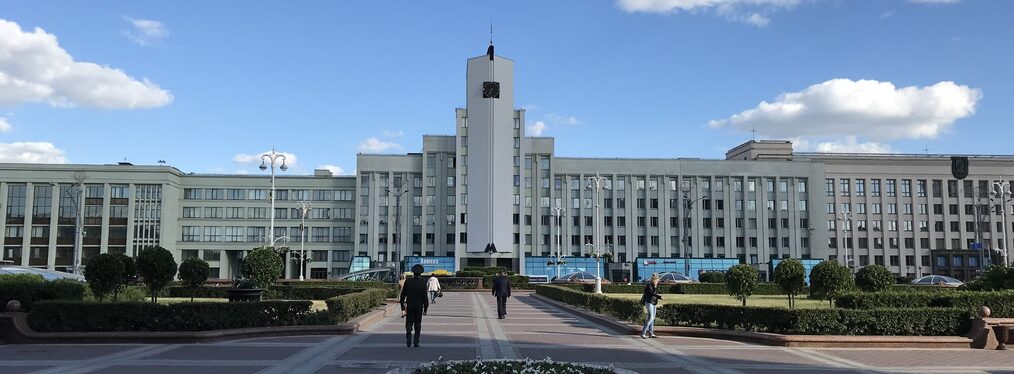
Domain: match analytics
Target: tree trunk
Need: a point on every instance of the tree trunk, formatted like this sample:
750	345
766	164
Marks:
744	301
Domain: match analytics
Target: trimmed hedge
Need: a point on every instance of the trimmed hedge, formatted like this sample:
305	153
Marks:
1001	303
518	282
684	288
348	306
29	289
911	321
624	309
76	316
470	274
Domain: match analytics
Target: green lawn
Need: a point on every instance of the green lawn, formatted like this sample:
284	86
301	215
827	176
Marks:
317	304
758	300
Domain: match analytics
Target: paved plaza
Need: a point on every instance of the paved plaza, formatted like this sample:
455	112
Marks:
464	326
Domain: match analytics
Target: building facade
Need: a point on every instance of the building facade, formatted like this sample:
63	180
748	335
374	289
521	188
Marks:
490	195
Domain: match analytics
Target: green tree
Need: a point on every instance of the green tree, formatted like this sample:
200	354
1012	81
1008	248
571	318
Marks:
873	278
129	272
194	272
262	265
712	277
104	274
830	279
157	267
790	275
741	280
996	278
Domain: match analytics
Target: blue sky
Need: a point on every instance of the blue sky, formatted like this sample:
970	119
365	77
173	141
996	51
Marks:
205	83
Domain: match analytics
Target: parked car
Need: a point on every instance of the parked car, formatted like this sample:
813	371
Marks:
46	274
674	277
937	280
578	277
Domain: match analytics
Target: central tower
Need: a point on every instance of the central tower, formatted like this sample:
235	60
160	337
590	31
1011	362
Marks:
492	147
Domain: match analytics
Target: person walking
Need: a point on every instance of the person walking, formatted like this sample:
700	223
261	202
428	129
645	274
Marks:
502	290
433	287
401	285
650	300
415	304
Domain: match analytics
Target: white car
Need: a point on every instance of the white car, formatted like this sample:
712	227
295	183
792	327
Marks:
937	280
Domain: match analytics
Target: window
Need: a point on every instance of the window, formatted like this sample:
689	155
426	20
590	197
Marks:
875	187
906	187
844	187
892	188
829	187
860	187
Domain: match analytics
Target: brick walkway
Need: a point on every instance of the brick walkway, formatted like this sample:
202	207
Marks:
464	326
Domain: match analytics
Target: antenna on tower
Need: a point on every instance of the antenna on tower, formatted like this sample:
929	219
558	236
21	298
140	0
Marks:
753	130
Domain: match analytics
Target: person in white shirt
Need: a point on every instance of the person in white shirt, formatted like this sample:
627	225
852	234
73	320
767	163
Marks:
433	286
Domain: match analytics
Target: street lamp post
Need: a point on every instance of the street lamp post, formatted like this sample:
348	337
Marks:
596	183
304	209
76	200
265	158
397	216
846	223
688	205
1001	190
558	213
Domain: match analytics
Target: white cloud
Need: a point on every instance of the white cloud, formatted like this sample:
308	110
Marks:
837	109
32	153
752	12
4	125
535	129
557	119
392	134
34	68
849	144
887	14
336	170
255	158
374	145
145	31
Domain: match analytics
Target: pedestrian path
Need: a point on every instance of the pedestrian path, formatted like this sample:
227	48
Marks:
463	325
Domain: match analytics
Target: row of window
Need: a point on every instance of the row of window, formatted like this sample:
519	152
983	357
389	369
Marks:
264	194
255	234
892	225
262	213
907	208
981	188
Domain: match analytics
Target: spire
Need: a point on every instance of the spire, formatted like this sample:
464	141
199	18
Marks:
489	51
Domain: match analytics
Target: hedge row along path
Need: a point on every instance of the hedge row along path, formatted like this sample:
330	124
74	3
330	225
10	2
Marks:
464	326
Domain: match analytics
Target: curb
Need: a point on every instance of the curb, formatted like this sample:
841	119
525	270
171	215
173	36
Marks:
810	341
14	329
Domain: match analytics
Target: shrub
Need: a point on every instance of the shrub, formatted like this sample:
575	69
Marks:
740	281
918	321
157	267
194	272
712	277
485	270
470	274
829	279
873	278
262	265
348	306
104	274
69	316
310	293
518	282
624	309
1000	303
29	289
790	275
996	278
129	268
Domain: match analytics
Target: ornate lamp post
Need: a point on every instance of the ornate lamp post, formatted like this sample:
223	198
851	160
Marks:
596	183
846	224
1001	191
304	210
272	157
688	206
558	213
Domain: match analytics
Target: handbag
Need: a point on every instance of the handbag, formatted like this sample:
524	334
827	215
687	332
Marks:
440	293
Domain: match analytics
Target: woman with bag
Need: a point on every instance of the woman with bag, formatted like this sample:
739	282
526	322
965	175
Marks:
433	286
650	300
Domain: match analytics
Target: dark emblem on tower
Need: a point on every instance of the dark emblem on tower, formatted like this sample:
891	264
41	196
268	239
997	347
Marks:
959	167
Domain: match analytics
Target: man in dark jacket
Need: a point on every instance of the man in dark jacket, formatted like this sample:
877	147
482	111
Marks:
415	303
502	290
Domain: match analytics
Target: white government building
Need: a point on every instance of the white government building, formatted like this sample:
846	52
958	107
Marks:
486	196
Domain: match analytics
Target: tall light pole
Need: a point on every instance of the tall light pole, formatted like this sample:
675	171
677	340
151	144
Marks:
846	222
688	205
265	158
77	201
1001	190
558	213
304	209
397	216
596	183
